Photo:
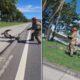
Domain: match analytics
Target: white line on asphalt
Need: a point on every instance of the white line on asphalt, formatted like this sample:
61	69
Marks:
22	66
6	64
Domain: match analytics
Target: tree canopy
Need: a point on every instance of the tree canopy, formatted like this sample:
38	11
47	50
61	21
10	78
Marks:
67	10
9	12
55	11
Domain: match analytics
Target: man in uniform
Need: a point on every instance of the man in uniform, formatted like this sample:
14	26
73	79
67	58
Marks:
36	30
73	41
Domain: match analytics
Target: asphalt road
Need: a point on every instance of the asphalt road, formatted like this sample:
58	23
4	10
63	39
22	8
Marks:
22	60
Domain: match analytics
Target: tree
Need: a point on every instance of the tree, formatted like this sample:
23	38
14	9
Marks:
10	12
56	7
61	11
69	13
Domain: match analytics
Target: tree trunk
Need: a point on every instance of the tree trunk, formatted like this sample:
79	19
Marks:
44	5
58	11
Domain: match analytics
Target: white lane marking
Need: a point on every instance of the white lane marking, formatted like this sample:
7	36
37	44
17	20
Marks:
6	64
22	66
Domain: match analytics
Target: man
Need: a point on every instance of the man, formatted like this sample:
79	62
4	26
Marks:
73	41
36	30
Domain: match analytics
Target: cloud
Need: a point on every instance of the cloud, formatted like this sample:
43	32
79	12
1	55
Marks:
29	8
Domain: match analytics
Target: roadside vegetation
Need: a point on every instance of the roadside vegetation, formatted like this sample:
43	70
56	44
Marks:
6	24
55	53
10	13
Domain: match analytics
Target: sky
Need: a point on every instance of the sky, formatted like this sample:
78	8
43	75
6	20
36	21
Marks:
30	8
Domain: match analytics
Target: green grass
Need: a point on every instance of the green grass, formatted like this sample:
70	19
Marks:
54	52
4	24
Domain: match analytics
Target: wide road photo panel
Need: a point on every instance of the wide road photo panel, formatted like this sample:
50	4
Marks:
20	40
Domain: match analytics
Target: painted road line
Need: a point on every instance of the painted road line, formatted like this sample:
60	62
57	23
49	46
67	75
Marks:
22	66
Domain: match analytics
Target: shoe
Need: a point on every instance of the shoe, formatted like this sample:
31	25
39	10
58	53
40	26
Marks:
39	42
75	52
31	39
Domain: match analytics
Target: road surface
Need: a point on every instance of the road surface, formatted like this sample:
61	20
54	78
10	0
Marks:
53	74
22	59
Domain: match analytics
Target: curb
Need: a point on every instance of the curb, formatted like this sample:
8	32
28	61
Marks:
60	68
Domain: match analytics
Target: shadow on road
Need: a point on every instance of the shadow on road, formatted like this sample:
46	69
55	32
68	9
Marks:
18	40
26	42
9	41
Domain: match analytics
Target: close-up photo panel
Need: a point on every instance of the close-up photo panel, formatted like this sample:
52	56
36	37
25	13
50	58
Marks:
20	39
61	39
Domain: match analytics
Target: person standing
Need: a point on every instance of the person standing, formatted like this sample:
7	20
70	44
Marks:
36	30
73	41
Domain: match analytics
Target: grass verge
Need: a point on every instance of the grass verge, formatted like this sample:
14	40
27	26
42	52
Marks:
55	52
6	24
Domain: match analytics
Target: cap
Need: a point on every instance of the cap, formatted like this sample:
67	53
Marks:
74	29
34	18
